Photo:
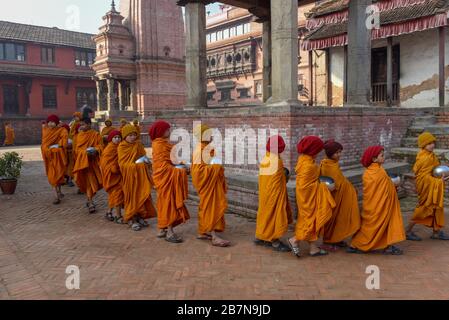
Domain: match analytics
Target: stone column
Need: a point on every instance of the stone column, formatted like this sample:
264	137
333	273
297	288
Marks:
99	95
284	31
133	96
359	54
196	65
111	96
266	48
122	95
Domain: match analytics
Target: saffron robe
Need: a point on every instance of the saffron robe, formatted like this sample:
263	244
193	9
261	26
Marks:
9	136
55	160
112	177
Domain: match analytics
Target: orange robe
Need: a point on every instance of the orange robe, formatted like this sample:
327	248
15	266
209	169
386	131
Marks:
105	132
55	159
382	224
87	171
112	178
139	131
430	209
345	221
137	183
171	185
72	128
9	136
315	202
210	183
275	213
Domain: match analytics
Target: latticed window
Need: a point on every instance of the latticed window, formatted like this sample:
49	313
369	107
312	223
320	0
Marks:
86	96
49	97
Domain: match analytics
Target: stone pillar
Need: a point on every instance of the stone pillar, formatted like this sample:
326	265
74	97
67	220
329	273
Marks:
99	95
284	44
266	48
133	96
122	95
111	96
359	54
196	76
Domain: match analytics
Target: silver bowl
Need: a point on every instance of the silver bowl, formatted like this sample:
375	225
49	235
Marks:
396	179
181	166
54	146
70	141
329	182
440	171
216	160
143	159
91	150
287	174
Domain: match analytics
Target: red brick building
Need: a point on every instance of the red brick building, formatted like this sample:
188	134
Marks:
44	70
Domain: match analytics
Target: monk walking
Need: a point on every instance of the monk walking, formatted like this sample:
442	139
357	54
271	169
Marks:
106	131
137	183
53	148
382	224
210	183
430	209
171	184
76	120
112	178
345	220
86	171
274	214
314	200
70	160
10	135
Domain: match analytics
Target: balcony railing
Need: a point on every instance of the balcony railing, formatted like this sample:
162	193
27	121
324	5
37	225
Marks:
379	92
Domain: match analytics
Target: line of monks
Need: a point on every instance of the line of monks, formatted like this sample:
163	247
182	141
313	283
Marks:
9	135
109	160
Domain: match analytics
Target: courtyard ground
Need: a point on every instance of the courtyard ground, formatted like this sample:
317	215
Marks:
39	240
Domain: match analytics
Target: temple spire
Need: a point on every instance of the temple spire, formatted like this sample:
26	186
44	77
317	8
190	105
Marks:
113	6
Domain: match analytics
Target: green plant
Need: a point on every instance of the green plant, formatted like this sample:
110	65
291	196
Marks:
10	165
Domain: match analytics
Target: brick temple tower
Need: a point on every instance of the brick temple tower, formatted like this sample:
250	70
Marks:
140	64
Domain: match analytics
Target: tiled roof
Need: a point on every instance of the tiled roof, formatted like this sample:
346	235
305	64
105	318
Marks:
18	70
401	14
46	35
327	7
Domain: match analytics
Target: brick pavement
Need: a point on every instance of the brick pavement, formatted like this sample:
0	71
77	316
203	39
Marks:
38	241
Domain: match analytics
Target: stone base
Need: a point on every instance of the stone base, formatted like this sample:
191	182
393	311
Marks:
115	115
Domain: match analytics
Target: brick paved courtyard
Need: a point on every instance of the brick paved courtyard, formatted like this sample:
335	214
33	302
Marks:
38	241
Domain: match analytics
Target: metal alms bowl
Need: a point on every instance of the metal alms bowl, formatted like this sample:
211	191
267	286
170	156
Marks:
216	160
395	178
329	182
440	171
54	146
287	174
91	150
143	159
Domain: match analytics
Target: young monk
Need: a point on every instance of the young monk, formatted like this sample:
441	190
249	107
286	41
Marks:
170	182
139	130
210	183
53	148
274	214
345	220
76	120
382	224
106	131
123	123
314	200
87	171
69	154
137	183
9	134
430	209
112	178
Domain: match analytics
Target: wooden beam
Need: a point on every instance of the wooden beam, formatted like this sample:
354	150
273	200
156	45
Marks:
311	78
389	71
328	77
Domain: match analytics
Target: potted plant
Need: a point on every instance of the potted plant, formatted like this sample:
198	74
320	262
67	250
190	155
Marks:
10	166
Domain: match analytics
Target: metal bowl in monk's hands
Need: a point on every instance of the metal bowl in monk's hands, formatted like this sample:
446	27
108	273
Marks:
441	171
54	146
183	165
91	151
216	160
329	182
396	179
143	159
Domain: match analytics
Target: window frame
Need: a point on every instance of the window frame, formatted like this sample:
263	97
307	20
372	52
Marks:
44	57
45	104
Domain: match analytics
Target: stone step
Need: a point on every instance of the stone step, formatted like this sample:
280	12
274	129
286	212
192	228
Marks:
424	120
437	129
415	131
410	142
408	154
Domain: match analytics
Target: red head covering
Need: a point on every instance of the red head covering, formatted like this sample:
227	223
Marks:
369	154
113	134
331	147
276	141
310	145
158	129
53	118
77	127
66	126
